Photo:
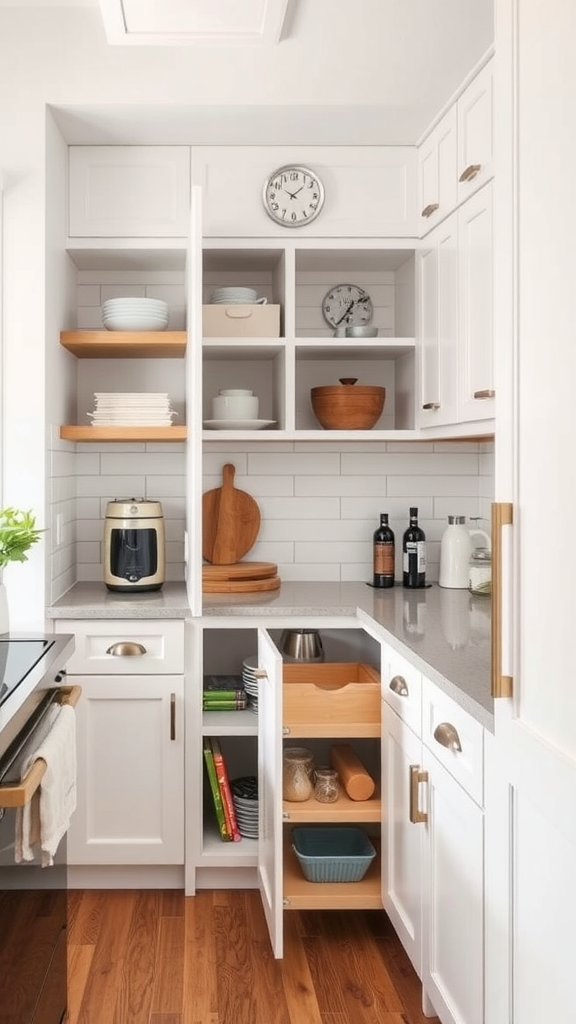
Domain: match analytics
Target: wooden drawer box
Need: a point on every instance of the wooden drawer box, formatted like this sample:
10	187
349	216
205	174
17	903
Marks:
331	699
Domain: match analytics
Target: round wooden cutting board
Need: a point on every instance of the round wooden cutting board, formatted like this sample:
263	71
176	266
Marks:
230	521
240	578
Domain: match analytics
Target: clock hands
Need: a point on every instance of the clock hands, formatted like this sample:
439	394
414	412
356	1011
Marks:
294	194
345	313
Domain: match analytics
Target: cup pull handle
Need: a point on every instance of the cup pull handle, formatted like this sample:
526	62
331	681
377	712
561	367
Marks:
398	685
485	393
431	405
447	735
430	209
470	172
126	648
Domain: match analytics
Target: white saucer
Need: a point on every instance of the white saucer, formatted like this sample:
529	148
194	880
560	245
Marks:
238	424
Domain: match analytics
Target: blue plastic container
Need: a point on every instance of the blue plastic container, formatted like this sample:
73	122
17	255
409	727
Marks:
338	854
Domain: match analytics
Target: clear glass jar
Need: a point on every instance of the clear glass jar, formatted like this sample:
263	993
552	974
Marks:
326	785
480	571
297	773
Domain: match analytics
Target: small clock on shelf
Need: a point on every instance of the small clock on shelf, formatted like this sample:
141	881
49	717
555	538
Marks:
293	196
347	305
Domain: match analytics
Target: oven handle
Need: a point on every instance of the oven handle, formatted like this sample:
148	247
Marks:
19	794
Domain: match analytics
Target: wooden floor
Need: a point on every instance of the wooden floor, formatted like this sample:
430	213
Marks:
148	957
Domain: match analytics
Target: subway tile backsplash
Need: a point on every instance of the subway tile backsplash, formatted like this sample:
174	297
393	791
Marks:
319	508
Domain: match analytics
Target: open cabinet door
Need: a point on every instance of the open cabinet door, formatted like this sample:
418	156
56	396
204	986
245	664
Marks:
270	788
193	544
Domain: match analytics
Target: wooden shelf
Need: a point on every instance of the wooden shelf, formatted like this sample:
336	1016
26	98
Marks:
92	434
300	894
343	810
125	344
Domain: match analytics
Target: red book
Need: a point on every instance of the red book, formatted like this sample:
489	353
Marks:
226	792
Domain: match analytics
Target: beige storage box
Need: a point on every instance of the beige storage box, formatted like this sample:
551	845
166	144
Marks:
331	699
239	321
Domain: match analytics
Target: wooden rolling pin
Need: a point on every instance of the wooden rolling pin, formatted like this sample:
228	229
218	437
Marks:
353	776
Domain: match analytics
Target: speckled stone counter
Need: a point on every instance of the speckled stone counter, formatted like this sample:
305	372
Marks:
445	633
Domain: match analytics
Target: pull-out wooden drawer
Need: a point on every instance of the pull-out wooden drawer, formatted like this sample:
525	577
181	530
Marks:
331	699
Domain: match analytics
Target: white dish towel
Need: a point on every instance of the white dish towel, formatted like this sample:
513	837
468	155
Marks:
42	822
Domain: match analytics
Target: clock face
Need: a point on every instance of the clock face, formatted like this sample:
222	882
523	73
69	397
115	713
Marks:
293	196
347	305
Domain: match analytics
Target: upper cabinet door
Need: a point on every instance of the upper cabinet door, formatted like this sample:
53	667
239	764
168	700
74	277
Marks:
437	172
368	190
476	133
476	362
129	191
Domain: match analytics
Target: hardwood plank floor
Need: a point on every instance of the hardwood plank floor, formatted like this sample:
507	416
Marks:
158	957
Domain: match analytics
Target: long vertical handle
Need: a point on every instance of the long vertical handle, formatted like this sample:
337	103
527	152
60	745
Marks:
417	775
172	716
502	515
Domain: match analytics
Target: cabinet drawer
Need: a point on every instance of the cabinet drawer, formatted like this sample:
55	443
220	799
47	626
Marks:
126	647
331	699
402	688
440	717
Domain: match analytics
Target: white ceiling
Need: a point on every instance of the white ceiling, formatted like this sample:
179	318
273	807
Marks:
343	72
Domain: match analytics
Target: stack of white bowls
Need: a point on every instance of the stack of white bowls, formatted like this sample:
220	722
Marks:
135	314
230	296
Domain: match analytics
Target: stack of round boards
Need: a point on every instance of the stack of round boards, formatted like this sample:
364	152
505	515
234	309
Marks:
240	578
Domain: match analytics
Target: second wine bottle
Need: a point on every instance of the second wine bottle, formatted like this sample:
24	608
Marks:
414	554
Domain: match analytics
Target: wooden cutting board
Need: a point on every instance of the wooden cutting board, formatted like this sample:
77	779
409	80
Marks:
230	521
240	586
239	571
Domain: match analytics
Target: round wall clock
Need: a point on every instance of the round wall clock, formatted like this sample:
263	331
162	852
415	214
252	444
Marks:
293	196
347	305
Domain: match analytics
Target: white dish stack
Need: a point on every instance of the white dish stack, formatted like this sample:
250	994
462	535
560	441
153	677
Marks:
131	409
135	314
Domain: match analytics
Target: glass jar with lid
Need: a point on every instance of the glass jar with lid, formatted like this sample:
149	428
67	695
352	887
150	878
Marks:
480	571
326	785
297	773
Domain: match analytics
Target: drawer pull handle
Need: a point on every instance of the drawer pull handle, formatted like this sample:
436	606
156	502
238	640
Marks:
430	209
398	685
417	775
172	716
485	393
431	405
260	673
470	172
447	736
127	648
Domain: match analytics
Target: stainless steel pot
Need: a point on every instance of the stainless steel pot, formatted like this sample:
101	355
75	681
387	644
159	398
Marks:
302	645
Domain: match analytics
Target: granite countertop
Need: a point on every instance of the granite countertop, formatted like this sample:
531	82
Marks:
445	633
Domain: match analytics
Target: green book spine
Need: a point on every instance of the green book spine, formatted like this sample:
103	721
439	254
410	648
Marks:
225	835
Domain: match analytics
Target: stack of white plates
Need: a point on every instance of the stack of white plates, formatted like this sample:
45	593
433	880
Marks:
135	314
228	296
131	409
245	798
250	680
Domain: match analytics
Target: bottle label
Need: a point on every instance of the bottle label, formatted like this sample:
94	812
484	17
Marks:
384	559
414	549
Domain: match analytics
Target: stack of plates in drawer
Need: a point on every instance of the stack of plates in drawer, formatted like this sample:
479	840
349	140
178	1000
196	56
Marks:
135	314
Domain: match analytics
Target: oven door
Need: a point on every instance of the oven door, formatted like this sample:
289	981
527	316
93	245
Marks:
33	899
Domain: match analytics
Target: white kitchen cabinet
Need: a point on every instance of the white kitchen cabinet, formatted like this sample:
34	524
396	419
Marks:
476	287
438	326
454	351
475	114
437	171
292	712
129	191
130	743
370	191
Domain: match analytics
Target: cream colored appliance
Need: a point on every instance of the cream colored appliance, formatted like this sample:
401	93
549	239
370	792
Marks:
134	545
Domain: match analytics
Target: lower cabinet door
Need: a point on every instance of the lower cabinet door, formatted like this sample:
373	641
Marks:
453	916
402	839
130	742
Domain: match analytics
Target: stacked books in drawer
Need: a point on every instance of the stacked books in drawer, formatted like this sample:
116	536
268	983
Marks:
223	693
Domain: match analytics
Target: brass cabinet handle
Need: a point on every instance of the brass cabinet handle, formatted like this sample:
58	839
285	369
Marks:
431	405
172	716
430	209
470	172
447	735
417	775
127	648
398	685
260	673
485	393
502	515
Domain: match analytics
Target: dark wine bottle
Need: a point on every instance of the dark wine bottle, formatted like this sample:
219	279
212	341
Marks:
414	554
383	547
